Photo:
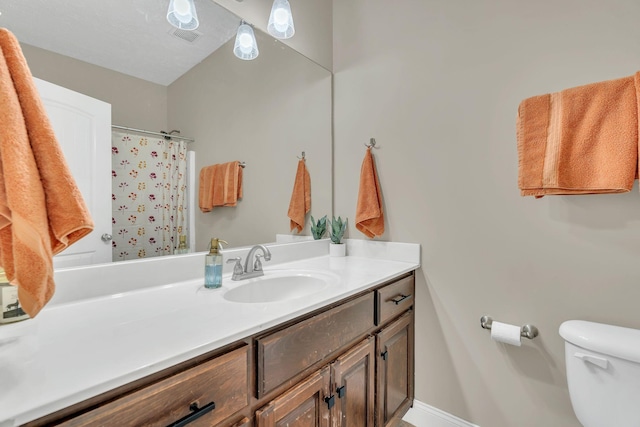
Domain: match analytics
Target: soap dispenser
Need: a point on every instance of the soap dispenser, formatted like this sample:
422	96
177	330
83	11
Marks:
213	265
182	246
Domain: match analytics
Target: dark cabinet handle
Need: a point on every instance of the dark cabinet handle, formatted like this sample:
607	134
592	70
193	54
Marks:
397	300
384	355
194	415
341	391
330	401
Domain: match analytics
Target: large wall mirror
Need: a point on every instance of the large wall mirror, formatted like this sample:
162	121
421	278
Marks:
264	112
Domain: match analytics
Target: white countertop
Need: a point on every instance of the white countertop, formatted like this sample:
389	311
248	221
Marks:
78	348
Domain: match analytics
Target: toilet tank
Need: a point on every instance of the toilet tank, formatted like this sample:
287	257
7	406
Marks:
603	373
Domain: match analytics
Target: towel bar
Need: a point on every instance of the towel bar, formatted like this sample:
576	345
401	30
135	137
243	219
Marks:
526	331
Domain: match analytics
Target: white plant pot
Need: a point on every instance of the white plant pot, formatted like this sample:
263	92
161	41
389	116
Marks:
337	249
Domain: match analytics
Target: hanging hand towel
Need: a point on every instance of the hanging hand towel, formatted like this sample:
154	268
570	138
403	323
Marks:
582	140
220	185
369	214
300	203
42	211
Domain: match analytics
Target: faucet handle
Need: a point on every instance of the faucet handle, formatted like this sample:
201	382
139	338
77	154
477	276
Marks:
237	268
257	265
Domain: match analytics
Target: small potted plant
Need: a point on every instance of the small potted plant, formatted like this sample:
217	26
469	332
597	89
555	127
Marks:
336	231
318	228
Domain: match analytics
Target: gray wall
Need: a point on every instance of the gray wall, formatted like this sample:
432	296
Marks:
438	83
264	112
134	102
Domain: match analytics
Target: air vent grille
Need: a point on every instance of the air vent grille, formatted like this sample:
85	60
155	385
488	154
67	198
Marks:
188	36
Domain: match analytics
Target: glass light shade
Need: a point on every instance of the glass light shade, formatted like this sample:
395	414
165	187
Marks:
281	20
182	14
245	46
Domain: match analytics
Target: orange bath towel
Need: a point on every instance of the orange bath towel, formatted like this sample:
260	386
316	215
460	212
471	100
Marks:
300	203
42	211
220	185
582	140
369	214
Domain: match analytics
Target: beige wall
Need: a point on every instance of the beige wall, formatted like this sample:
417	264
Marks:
311	18
134	102
264	112
438	83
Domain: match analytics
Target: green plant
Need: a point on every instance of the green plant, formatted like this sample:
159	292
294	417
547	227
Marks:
337	229
318	228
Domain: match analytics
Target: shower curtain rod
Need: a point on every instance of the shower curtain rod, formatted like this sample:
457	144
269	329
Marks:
148	132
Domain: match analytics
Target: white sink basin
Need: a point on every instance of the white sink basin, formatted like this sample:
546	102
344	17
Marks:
279	286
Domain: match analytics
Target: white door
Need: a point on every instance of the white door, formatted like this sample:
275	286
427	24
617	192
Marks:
83	127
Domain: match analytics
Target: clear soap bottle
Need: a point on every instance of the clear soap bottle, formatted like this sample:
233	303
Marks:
213	265
182	246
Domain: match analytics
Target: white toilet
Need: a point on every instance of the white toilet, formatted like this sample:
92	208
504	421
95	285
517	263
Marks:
603	372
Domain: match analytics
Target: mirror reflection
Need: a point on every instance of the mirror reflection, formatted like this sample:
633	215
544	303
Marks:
264	112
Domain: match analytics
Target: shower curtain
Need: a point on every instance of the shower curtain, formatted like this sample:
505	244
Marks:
149	184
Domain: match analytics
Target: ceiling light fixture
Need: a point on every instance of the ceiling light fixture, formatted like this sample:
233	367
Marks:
245	46
182	14
281	20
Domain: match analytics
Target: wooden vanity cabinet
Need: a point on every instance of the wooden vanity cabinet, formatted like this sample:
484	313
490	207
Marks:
371	383
346	365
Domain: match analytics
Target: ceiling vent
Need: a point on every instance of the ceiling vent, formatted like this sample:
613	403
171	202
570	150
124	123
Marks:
188	36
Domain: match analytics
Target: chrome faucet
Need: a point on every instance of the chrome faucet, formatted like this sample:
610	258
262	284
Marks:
252	267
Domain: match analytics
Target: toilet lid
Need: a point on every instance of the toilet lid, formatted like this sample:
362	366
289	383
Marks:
611	340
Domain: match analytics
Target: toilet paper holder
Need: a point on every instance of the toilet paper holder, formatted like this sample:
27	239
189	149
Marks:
526	331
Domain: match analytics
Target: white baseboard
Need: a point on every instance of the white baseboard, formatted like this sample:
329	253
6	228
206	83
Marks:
423	415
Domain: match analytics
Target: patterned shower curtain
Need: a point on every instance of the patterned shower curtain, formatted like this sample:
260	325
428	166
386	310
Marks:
149	195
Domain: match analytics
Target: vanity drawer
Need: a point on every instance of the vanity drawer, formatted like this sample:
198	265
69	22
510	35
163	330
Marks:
395	298
284	354
222	380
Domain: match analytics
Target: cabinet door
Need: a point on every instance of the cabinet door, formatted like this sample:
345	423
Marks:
302	406
354	386
395	369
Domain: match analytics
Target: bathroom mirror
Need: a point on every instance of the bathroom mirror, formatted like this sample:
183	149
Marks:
265	112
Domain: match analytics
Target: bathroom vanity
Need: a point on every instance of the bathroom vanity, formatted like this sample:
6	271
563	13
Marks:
340	356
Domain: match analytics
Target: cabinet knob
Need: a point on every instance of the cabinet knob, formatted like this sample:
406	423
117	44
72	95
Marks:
106	237
330	401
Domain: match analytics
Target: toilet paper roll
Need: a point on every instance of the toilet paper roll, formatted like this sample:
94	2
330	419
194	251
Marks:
503	332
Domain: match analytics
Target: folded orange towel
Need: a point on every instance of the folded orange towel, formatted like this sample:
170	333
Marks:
42	211
582	140
300	203
220	185
205	188
369	214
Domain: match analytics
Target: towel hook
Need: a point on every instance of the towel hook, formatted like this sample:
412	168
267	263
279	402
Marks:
371	144
303	156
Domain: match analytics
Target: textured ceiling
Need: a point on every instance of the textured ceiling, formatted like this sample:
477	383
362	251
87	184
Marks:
129	36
